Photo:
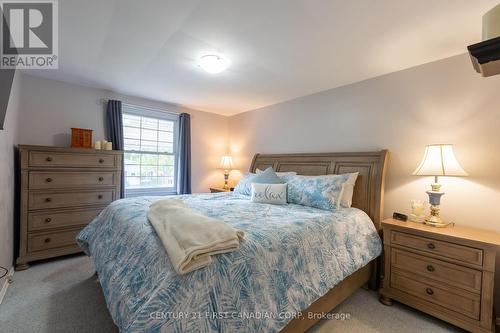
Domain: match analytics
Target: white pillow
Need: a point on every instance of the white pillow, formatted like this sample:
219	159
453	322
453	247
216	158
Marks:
269	193
279	174
348	190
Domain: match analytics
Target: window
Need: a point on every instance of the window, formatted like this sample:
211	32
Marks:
150	156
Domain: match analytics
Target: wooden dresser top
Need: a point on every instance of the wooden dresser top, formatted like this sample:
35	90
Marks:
68	149
455	231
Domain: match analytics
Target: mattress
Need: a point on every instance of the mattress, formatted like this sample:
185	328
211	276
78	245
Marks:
291	256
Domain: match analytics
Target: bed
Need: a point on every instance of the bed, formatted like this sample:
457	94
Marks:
295	264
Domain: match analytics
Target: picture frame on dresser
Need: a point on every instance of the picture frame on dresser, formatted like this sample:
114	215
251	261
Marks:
60	191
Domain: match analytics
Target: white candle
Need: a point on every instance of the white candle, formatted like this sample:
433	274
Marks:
109	145
417	207
98	145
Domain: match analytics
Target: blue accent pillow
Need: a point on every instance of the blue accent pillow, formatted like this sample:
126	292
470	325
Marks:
244	186
268	176
322	192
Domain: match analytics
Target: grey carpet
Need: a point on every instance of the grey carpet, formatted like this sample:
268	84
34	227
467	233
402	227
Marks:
64	295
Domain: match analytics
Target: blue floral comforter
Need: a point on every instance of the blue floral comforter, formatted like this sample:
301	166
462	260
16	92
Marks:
291	256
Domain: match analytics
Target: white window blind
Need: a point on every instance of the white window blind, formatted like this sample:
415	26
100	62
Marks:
150	152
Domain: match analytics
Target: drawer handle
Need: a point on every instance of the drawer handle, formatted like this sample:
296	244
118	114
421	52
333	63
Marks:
48	220
101	179
429	291
48	180
48	199
99	196
101	160
47	240
49	159
430	268
431	246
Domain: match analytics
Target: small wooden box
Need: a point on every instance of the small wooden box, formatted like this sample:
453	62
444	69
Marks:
81	138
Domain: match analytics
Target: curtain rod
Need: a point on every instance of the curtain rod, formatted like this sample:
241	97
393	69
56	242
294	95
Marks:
104	101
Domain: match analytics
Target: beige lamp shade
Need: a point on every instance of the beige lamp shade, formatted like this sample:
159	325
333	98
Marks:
439	160
226	162
491	23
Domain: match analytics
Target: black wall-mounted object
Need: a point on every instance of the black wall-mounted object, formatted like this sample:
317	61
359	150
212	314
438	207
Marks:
485	57
6	79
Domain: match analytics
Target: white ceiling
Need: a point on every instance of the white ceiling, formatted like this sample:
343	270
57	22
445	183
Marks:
279	49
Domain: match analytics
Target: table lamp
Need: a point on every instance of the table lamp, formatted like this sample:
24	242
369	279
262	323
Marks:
438	160
226	163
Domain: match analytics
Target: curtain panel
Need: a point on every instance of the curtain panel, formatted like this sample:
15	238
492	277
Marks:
184	164
114	129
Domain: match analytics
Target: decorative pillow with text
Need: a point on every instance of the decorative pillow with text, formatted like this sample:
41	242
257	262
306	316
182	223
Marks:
269	193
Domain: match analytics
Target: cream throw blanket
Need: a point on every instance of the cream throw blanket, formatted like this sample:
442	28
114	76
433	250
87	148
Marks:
189	237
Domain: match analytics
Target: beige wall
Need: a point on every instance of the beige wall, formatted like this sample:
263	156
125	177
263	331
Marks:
444	101
440	102
50	108
8	138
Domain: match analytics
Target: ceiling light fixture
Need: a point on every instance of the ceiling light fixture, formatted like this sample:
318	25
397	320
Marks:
213	63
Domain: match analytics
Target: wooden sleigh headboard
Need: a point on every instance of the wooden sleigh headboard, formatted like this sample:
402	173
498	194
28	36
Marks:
369	189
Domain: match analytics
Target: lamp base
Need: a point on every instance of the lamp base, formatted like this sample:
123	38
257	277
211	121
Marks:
439	225
436	221
226	177
434	199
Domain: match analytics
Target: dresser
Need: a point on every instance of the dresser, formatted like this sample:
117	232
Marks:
61	191
445	272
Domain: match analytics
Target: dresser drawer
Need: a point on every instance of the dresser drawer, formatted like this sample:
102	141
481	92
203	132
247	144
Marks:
55	219
464	303
40	179
444	249
450	274
45	241
70	160
47	199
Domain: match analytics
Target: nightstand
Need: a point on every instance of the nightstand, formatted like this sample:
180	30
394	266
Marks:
445	272
219	189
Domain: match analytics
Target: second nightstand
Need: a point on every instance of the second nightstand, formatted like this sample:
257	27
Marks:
445	272
219	189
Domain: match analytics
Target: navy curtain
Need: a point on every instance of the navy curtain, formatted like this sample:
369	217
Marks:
184	166
114	128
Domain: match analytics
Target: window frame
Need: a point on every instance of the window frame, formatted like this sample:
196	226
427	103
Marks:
160	115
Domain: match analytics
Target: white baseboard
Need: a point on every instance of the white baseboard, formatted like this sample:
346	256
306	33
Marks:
6	283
